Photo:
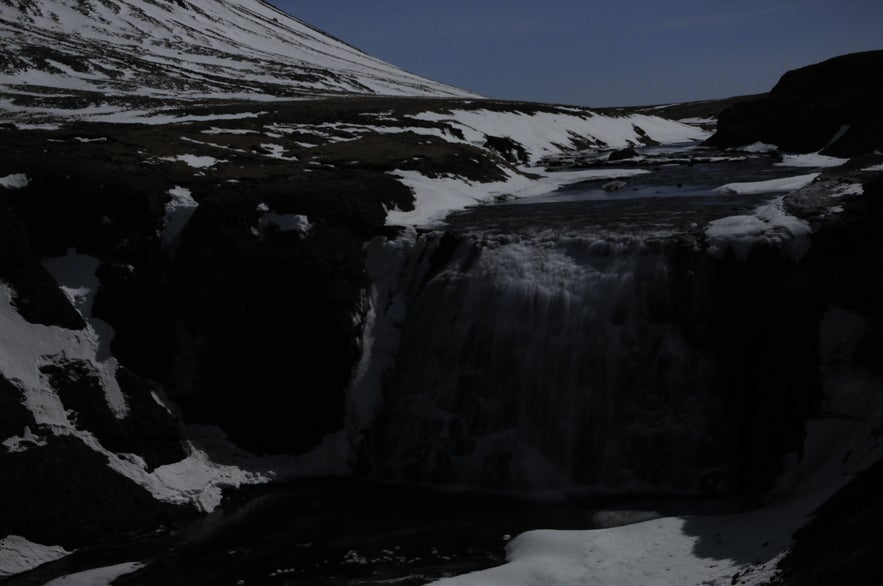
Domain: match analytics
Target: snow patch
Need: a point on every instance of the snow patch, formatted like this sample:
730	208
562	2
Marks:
287	222
811	160
217	130
543	133
17	555
769	186
24	442
698	120
284	222
768	223
14	181
197	162
97	576
178	212
685	550
276	151
848	189
874	168
758	147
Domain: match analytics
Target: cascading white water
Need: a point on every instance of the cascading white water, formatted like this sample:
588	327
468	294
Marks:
542	361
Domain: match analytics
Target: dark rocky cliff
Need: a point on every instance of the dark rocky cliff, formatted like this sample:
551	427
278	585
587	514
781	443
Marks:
833	106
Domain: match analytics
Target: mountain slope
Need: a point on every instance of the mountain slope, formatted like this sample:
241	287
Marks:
73	54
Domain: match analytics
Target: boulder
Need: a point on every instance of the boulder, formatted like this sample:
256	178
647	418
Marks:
623	154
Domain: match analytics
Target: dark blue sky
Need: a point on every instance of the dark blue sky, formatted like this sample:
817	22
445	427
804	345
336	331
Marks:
601	53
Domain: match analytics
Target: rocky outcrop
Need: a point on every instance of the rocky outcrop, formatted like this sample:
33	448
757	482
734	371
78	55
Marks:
835	106
64	493
843	542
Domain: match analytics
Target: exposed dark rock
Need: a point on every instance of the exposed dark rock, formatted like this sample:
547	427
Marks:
843	543
622	154
765	335
409	151
148	430
35	293
847	261
836	105
507	148
14	416
65	494
265	340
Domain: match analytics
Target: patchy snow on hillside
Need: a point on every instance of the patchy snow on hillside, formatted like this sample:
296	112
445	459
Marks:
185	50
111	113
540	134
436	197
544	133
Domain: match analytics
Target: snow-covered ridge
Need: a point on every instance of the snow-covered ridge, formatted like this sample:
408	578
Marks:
186	49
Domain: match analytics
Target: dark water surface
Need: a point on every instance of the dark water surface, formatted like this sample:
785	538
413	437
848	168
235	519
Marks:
348	533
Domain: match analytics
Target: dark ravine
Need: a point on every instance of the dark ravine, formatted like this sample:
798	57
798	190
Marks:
534	320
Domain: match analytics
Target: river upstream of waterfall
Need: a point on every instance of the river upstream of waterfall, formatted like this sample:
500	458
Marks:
561	364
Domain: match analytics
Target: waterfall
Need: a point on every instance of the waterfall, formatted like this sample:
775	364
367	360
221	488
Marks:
540	361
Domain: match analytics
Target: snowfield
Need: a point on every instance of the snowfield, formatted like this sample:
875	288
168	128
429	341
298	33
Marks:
187	50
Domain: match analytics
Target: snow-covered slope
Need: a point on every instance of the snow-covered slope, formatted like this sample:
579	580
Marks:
59	51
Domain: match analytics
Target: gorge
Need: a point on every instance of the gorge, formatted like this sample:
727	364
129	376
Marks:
330	322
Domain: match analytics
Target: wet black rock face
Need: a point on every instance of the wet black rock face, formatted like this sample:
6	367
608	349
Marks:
74	499
844	541
14	416
35	294
836	105
147	429
265	338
